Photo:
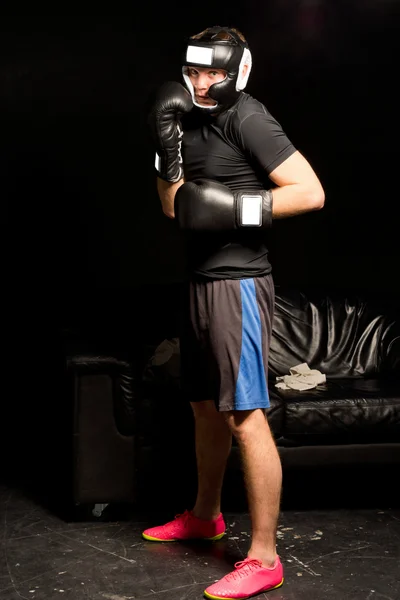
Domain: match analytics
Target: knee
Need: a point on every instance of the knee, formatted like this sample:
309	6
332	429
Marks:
243	423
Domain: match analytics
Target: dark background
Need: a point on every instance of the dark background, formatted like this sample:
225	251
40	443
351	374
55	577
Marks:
82	226
82	222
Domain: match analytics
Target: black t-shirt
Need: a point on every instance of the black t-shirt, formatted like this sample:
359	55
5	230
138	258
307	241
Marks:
238	148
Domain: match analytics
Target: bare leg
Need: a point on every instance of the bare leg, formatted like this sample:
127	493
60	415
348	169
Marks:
263	478
213	445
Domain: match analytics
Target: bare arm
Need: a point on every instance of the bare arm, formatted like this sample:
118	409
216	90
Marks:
299	189
167	191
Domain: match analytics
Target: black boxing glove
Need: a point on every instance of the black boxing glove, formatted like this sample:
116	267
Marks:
172	100
206	205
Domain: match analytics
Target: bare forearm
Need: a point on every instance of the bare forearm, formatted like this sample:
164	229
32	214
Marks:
166	192
296	199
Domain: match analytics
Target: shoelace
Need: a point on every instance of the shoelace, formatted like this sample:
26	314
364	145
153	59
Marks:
243	568
185	517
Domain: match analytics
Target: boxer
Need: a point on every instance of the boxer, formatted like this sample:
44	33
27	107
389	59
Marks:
225	170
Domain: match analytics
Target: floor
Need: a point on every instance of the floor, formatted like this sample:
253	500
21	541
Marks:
328	554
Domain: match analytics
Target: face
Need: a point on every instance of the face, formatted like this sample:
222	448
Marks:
202	79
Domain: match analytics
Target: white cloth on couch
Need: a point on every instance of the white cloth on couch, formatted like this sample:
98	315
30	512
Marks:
301	378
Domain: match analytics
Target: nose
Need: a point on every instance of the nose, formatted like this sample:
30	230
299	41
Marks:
201	83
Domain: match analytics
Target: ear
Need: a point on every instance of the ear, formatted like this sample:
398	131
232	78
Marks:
245	69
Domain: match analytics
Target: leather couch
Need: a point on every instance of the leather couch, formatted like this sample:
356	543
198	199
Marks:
127	435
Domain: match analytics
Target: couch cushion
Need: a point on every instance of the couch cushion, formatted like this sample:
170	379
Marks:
342	336
343	410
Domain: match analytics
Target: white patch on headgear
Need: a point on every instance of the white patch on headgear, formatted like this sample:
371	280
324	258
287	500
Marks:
199	55
241	81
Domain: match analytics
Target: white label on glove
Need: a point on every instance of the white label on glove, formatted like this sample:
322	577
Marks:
198	55
158	163
251	210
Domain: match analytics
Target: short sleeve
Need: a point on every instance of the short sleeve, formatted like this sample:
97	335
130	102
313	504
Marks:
264	141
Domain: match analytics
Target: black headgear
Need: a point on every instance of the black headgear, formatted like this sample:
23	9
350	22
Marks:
229	54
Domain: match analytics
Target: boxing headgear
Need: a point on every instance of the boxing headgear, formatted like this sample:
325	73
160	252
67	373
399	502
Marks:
230	54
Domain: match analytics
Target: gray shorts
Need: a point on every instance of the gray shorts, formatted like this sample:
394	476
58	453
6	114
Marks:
224	342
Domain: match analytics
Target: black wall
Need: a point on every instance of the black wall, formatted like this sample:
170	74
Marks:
81	215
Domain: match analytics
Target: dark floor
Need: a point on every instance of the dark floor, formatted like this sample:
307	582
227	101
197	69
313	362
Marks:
328	554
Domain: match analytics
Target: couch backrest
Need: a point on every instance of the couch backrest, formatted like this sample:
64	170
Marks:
340	336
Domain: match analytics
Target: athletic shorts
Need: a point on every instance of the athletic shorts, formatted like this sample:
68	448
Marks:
224	342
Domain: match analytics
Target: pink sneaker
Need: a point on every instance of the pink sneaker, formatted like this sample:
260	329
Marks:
187	527
248	579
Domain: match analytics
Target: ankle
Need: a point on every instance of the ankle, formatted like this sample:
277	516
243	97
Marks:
267	558
205	514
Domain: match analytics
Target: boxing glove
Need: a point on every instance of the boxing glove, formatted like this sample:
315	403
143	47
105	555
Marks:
206	205
171	101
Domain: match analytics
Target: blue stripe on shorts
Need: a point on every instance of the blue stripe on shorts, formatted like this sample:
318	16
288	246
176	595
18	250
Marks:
251	385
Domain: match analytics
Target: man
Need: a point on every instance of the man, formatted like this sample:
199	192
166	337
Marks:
218	150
